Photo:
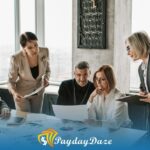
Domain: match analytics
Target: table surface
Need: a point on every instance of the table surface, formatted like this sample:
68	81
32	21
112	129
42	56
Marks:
25	133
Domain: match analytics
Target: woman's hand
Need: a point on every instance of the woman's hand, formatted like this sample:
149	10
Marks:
146	97
45	81
17	97
143	93
94	93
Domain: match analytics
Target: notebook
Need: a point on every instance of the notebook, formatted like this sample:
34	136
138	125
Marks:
34	92
132	99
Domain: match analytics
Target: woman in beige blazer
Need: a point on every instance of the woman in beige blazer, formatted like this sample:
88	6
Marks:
29	70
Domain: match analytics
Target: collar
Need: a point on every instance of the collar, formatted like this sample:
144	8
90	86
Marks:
145	64
80	87
110	94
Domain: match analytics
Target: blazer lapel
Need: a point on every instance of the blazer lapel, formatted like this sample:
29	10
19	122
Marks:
148	74
41	62
40	66
26	66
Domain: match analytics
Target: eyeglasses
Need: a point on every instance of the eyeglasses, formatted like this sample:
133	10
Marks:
99	80
128	48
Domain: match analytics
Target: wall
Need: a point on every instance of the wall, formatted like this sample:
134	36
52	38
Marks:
122	28
117	27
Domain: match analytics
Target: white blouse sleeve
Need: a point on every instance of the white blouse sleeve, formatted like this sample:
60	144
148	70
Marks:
91	110
119	114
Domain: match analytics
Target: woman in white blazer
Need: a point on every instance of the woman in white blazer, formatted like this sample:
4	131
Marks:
27	69
102	104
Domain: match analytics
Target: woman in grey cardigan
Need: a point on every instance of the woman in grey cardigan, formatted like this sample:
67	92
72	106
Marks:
138	48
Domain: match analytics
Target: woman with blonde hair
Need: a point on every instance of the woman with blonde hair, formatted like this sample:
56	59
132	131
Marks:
138	48
102	103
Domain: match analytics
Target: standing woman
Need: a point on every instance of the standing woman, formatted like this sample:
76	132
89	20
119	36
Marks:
29	69
138	47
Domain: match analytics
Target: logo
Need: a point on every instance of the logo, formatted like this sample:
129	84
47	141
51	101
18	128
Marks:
50	137
47	137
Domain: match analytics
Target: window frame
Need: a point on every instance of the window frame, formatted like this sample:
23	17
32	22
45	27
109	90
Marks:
39	26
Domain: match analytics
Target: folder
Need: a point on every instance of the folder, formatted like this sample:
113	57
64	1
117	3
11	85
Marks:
34	92
135	99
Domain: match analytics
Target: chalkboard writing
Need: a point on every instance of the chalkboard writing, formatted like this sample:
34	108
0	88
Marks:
92	24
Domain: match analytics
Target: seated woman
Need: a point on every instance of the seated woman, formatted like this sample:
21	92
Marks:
102	104
4	110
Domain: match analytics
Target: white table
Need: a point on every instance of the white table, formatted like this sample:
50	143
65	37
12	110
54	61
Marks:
24	136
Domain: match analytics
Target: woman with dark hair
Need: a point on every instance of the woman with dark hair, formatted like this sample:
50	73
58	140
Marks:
102	103
29	70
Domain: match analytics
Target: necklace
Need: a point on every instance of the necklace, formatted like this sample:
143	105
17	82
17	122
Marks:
74	94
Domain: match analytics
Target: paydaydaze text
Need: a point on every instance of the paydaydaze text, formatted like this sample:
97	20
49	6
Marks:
84	142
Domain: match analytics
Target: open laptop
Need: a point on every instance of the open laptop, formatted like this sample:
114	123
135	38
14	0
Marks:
71	112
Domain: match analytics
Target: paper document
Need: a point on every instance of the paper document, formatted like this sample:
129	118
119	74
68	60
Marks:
75	112
34	92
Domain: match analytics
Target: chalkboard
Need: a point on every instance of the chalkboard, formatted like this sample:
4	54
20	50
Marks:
91	24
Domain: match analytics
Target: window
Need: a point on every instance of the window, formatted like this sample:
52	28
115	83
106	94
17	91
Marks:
7	30
58	37
7	36
55	28
140	22
27	15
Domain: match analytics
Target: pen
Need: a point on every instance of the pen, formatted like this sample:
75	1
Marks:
82	129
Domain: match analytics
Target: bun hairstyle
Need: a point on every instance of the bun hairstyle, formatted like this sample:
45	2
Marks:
26	37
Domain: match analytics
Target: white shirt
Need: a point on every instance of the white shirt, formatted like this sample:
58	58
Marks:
115	113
